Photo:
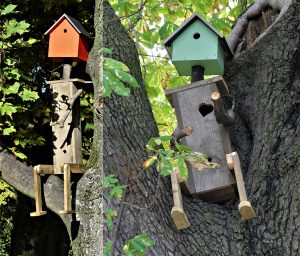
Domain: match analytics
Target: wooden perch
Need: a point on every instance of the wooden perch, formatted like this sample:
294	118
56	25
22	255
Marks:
181	133
19	175
223	116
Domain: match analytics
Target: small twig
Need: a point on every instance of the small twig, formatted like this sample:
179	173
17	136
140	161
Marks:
61	121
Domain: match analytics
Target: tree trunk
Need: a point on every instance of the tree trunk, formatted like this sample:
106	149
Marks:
265	82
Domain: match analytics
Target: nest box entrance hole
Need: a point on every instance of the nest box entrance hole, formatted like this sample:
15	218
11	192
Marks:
205	109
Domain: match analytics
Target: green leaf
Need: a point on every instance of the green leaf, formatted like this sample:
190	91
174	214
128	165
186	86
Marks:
8	9
117	192
109	181
27	95
107	50
11	73
165	167
165	138
7	109
138	245
127	78
182	148
12	89
182	167
107	248
112	65
8	131
121	90
12	27
109	215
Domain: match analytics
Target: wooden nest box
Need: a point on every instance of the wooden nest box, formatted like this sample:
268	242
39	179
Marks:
195	108
197	43
68	40
206	108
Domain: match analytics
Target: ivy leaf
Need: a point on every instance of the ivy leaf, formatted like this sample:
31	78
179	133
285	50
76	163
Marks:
12	89
107	248
11	73
138	245
182	167
9	130
7	109
8	9
117	192
109	215
109	181
28	95
12	27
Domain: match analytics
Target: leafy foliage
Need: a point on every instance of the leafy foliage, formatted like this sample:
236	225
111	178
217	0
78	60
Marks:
168	157
134	247
116	76
17	96
138	245
7	207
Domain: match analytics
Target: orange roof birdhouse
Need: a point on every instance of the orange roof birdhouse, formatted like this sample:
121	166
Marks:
68	40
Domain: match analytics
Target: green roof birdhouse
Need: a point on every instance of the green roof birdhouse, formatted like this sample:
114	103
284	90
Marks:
197	43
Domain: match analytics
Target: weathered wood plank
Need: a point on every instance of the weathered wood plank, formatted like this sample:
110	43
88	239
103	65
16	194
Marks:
208	137
67	190
37	194
178	215
67	139
66	81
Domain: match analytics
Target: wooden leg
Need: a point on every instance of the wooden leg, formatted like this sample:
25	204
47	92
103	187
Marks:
37	193
67	190
177	213
245	207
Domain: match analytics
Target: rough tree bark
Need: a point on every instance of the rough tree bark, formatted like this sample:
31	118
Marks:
265	81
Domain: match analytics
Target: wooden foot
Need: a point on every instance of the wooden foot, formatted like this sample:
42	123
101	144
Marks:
66	212
37	192
246	210
245	207
67	190
179	218
37	214
177	213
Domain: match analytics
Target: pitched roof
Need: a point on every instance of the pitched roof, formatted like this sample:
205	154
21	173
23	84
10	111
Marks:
168	42
75	23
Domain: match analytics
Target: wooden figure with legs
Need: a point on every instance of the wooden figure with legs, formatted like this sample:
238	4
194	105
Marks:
69	41
204	111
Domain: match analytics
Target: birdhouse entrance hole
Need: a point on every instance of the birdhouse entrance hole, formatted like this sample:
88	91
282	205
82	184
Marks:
65	30
205	109
196	35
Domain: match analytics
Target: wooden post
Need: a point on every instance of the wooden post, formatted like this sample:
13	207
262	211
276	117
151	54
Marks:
178	215
197	73
67	190
37	193
245	207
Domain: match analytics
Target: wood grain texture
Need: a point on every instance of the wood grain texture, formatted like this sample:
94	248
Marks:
208	137
67	140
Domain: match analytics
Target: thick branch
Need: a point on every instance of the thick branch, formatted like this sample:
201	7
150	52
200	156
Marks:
252	12
20	176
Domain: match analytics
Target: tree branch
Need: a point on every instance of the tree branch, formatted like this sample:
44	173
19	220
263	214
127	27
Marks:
20	176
